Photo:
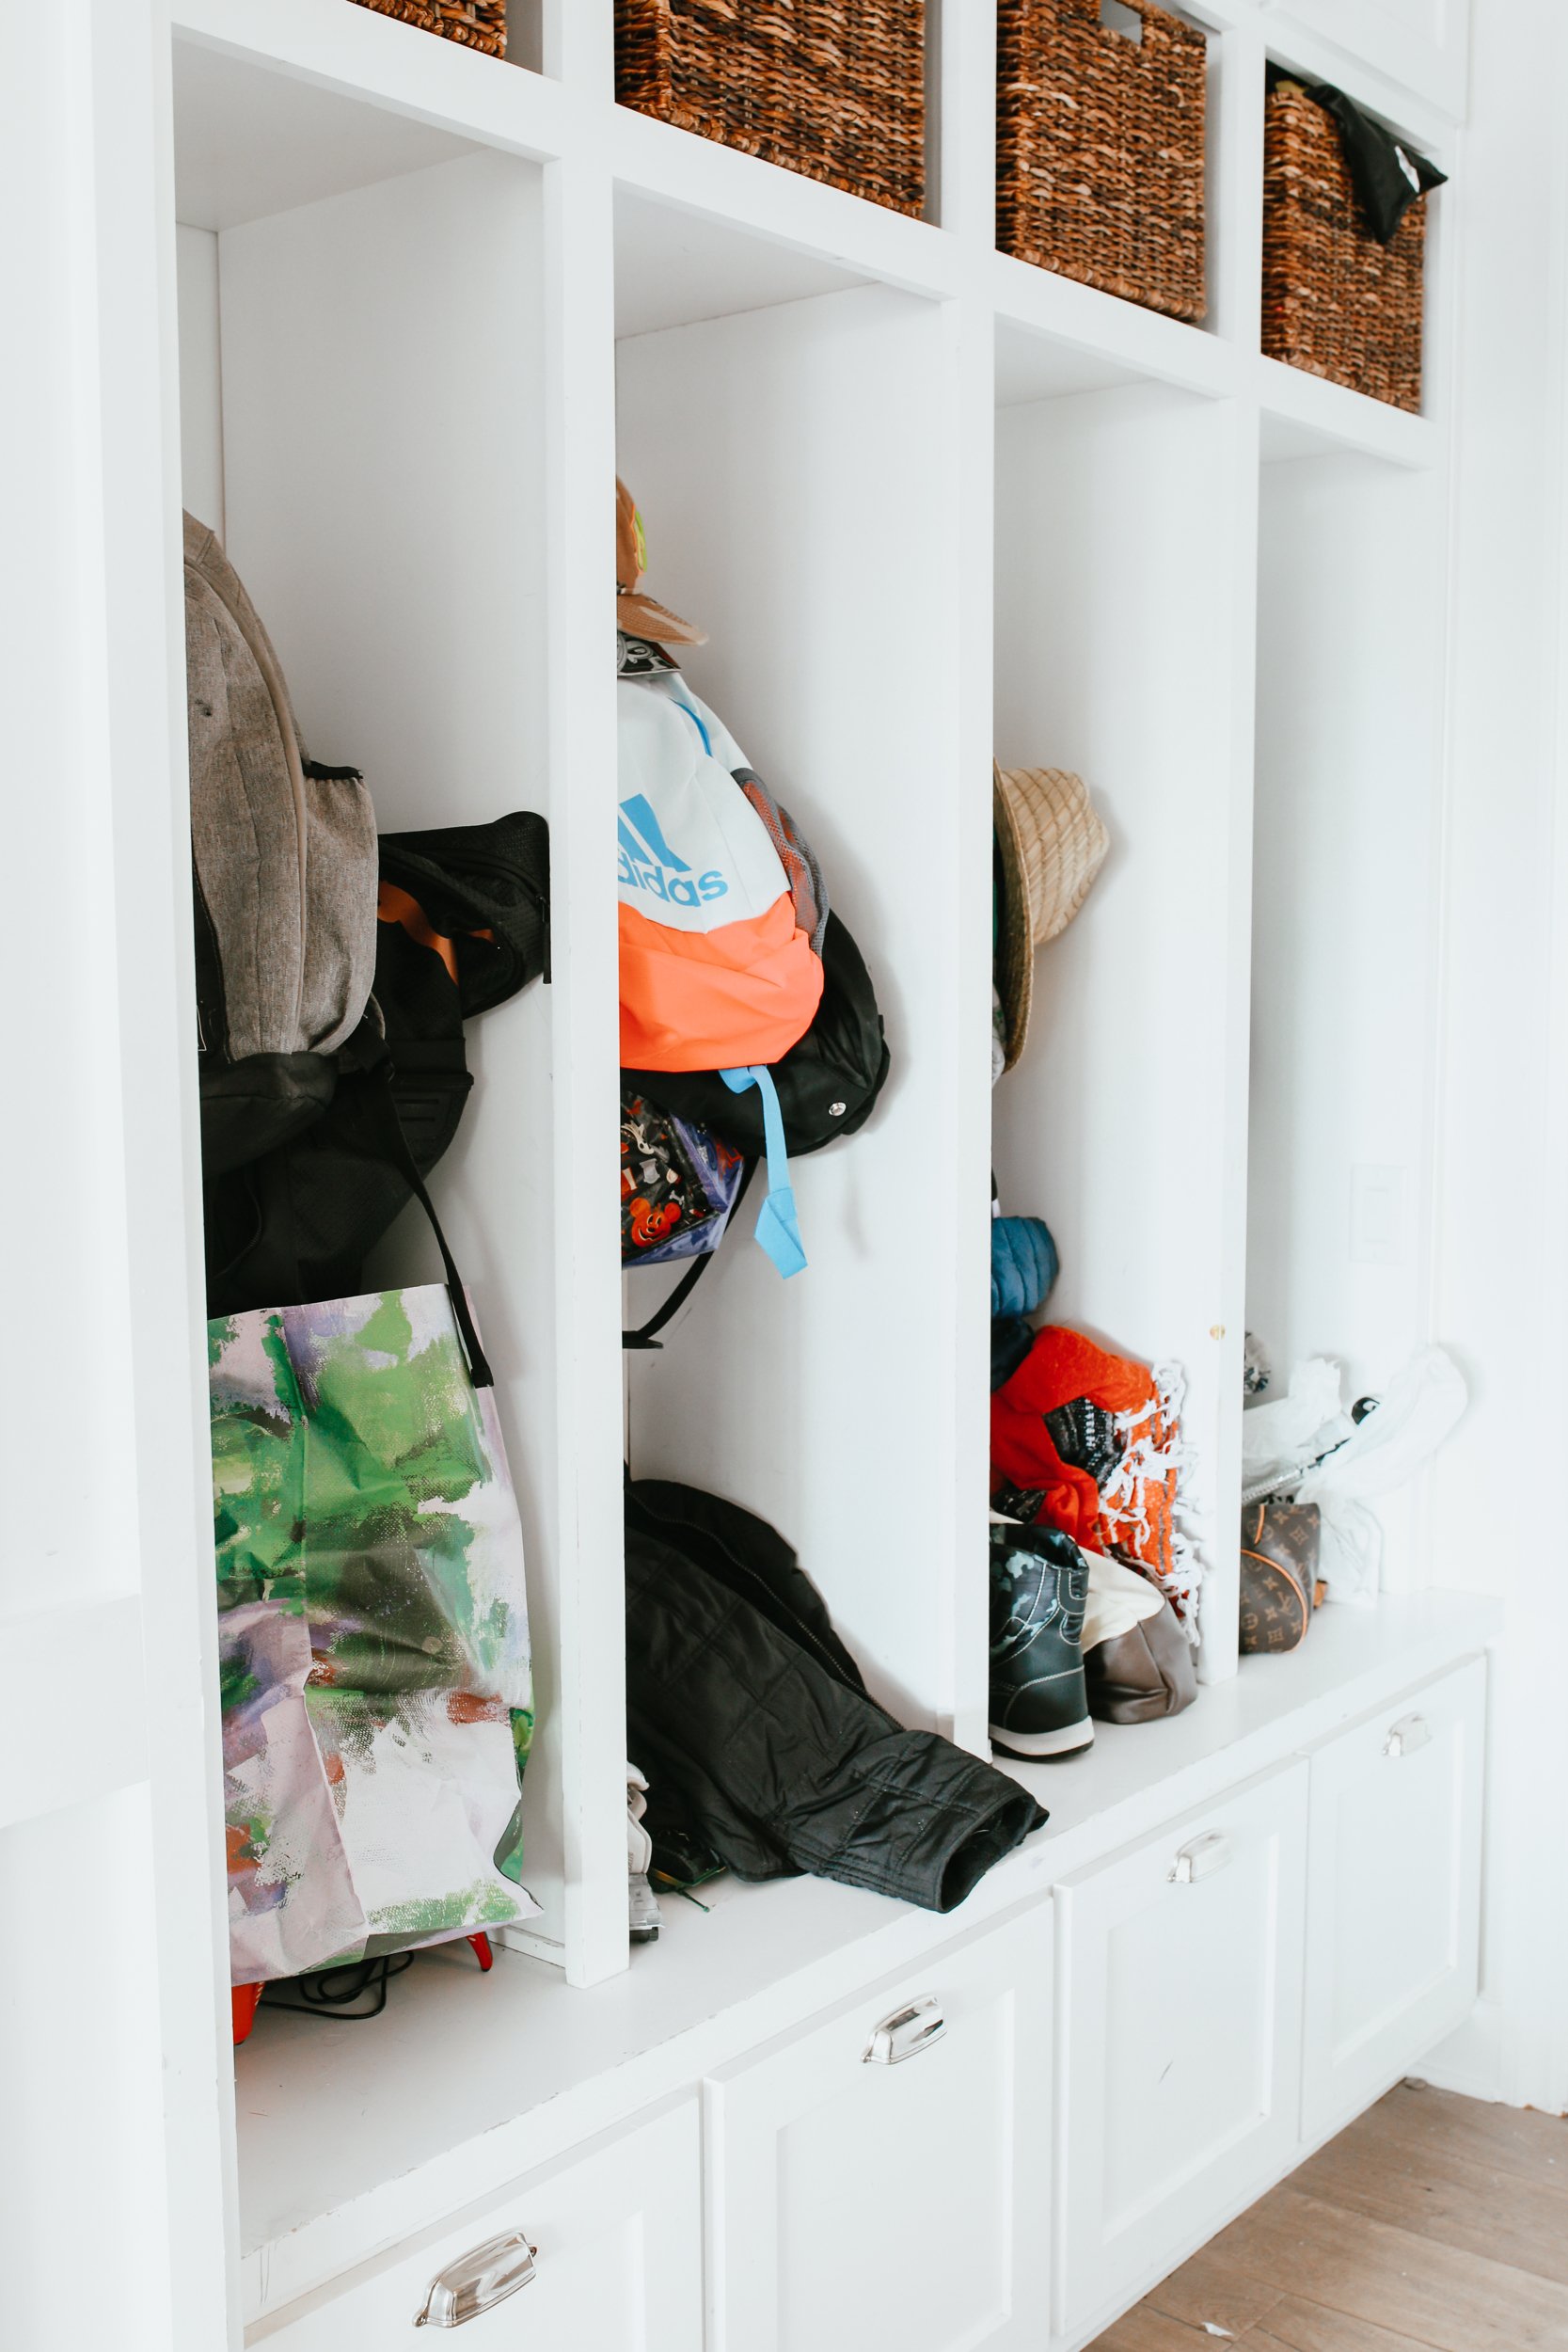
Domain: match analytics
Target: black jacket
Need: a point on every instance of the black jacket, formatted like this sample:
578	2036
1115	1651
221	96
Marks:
755	1730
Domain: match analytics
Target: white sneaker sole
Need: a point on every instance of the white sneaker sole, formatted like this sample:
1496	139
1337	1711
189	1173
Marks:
1029	1744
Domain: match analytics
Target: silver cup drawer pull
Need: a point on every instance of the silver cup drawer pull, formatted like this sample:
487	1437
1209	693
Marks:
1410	1733
907	2031
1200	1858
478	2281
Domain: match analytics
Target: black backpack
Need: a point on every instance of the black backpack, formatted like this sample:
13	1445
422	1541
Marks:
463	923
826	1083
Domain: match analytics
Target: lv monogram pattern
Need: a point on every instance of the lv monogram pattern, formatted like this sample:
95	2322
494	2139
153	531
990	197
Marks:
1280	1564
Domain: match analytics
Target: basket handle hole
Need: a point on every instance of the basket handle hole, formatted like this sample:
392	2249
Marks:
1118	18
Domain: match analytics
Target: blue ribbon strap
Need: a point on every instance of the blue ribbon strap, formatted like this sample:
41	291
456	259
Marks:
707	739
778	1228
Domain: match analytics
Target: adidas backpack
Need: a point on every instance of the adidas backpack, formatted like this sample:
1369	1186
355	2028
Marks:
745	1007
739	983
722	908
730	958
722	917
826	1085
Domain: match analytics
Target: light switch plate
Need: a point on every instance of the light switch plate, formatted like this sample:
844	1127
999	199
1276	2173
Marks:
1376	1215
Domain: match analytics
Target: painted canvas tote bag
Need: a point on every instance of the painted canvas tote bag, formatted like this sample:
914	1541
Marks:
377	1701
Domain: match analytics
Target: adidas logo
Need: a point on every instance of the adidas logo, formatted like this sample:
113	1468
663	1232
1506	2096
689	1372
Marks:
648	863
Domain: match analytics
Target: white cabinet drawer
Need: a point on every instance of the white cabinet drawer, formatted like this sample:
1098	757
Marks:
863	2203
1179	1976
1393	1905
617	2264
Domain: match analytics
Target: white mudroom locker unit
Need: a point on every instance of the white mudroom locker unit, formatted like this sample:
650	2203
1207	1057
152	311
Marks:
391	315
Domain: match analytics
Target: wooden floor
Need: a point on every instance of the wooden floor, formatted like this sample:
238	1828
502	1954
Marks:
1435	2224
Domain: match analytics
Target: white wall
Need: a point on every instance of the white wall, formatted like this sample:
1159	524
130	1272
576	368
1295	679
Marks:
200	375
1503	1191
1343	909
1345	941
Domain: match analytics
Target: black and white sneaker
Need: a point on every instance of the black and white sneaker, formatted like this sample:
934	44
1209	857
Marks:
1039	1588
645	1917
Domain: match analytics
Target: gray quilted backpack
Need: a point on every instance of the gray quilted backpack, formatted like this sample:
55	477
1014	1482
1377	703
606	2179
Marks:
284	853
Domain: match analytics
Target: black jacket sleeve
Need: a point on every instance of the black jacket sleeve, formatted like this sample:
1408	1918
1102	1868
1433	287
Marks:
780	1766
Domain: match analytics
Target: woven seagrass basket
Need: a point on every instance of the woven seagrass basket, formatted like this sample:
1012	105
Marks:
1100	148
477	23
1335	302
834	88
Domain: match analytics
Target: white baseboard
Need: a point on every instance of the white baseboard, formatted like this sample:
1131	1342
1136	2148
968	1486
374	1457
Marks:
1473	2058
1490	2057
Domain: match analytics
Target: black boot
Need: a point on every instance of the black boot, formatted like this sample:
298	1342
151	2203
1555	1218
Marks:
1039	1587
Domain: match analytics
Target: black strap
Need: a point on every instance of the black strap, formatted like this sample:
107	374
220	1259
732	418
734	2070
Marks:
646	1337
383	1131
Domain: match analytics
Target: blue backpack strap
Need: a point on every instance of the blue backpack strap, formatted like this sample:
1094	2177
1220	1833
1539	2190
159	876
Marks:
778	1228
707	739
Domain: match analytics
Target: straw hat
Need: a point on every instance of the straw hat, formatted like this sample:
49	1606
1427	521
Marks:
641	617
1051	844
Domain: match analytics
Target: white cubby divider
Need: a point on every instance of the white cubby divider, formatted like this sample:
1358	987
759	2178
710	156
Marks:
927	501
578	458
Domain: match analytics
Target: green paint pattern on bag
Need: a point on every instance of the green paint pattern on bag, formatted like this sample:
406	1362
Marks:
361	1496
482	1905
257	1482
509	1853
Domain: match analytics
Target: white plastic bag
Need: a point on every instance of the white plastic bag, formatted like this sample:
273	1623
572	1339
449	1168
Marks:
1419	1406
1350	1549
1292	1431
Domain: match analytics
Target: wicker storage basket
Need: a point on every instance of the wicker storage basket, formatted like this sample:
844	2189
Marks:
1335	301
834	88
1100	148
478	24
